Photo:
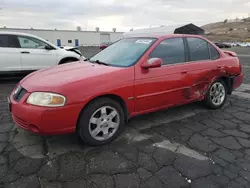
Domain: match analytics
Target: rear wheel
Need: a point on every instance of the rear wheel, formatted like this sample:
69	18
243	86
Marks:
101	122
216	95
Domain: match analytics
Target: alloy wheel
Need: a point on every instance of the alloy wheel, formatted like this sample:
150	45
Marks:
104	123
217	93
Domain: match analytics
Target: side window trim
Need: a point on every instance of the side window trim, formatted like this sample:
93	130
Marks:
209	50
187	50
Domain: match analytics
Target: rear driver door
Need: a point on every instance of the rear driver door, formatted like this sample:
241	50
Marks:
9	54
203	63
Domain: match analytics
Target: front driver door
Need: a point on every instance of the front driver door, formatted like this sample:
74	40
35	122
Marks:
34	56
163	86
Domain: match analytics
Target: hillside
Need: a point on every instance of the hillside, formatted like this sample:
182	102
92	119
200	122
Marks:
233	31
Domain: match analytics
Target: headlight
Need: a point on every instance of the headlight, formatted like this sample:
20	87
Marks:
46	99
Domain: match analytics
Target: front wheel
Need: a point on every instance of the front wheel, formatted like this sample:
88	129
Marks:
216	95
101	122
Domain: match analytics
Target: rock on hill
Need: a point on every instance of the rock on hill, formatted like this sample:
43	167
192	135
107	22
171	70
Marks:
229	31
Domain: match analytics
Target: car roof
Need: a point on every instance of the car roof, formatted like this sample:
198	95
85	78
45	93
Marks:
160	35
17	33
25	34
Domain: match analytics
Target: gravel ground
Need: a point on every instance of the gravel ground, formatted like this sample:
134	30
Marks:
187	146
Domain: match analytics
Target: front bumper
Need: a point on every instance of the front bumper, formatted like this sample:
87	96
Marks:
44	120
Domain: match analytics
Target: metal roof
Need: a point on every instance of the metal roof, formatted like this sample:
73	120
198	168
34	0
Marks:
55	30
189	29
172	29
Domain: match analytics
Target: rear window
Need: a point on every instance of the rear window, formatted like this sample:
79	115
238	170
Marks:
198	49
214	54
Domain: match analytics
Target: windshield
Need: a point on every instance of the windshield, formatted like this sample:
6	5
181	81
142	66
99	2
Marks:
124	53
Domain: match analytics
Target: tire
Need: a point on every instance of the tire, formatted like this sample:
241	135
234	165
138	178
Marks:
101	122
210	100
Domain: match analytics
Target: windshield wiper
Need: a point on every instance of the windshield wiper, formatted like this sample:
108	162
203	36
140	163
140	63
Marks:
102	63
99	62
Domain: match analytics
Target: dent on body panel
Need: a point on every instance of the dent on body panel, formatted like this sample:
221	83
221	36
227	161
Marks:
203	82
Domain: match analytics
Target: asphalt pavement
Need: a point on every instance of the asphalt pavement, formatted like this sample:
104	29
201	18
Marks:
187	146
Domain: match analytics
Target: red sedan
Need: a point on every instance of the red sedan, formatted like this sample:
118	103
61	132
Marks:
133	76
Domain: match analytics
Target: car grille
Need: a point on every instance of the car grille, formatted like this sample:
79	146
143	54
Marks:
19	93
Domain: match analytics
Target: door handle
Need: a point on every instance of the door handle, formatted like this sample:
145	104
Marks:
184	72
25	52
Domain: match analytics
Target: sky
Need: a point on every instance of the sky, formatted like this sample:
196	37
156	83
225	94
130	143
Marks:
120	14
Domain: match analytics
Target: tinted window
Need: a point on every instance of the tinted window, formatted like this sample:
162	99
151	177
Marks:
170	51
3	41
214	54
29	42
198	49
13	41
9	41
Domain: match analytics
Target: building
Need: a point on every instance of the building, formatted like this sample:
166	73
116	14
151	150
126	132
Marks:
172	29
71	37
95	38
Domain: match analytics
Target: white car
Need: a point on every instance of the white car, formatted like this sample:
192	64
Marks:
24	53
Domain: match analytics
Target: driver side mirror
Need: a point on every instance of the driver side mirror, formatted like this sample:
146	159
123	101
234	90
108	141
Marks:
152	63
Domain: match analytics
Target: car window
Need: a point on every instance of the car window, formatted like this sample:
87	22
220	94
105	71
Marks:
9	41
171	51
124	53
214	54
198	49
4	41
29	42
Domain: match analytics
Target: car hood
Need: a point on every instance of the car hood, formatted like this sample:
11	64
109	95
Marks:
52	78
72	49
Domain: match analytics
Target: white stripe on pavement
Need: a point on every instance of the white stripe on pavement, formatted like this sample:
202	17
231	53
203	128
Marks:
244	87
245	66
243	55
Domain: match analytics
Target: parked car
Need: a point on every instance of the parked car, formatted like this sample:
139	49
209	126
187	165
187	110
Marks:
244	44
134	76
105	45
222	45
22	53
